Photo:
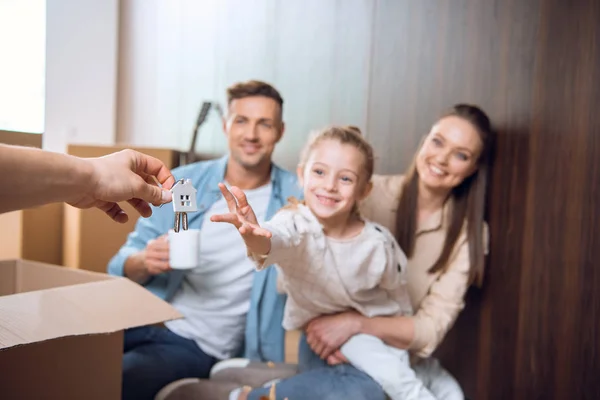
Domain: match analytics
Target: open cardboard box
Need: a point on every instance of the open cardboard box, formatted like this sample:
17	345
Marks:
61	330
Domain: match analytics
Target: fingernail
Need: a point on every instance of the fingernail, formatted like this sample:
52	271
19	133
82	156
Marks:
166	196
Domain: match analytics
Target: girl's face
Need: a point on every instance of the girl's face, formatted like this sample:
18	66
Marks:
333	179
449	154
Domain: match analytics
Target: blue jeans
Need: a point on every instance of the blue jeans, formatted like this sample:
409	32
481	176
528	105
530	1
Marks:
154	357
318	380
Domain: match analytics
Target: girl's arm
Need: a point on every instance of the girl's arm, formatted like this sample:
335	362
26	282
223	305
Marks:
278	242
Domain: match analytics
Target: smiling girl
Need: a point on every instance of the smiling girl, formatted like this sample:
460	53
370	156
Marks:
331	259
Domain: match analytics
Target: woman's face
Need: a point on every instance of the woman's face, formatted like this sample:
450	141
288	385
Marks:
449	154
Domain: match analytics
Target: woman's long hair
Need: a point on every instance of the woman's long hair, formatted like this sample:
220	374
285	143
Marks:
468	202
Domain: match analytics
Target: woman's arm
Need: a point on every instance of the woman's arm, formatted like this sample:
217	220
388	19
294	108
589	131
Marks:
442	304
420	333
328	333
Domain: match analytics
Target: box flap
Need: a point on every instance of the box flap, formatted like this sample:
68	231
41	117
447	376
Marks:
90	308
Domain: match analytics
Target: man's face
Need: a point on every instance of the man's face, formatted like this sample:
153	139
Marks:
253	128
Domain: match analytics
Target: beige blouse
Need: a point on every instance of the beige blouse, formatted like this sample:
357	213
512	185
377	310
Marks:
437	298
322	275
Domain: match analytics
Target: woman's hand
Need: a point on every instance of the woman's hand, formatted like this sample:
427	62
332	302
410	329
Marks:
326	334
336	358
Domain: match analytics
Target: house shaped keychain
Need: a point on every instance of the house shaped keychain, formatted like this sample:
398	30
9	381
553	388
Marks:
184	201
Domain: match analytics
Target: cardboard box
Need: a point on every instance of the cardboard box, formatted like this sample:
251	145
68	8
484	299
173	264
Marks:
90	237
61	330
21	138
36	233
33	234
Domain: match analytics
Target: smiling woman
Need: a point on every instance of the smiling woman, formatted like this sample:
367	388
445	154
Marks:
451	164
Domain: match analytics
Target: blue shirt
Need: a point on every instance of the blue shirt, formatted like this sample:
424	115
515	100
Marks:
264	335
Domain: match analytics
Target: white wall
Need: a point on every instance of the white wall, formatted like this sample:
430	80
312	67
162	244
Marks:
22	70
175	54
81	72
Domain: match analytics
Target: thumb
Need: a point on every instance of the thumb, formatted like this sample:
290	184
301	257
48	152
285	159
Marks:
154	194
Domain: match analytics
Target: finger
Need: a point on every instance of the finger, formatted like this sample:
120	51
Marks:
158	245
250	229
114	211
333	360
248	214
153	166
151	193
157	254
336	358
157	267
317	347
338	354
262	232
326	352
231	203
240	196
160	242
141	207
230	218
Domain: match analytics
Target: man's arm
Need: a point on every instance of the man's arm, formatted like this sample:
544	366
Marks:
32	177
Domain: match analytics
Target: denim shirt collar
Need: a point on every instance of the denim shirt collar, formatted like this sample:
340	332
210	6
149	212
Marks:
219	176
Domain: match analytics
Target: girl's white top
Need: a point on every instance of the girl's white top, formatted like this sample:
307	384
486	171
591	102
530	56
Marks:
322	275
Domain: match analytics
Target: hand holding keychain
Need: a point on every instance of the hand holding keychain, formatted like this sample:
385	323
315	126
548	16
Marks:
184	201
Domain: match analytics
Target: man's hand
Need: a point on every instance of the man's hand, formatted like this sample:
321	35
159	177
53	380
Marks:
153	260
241	215
125	176
156	256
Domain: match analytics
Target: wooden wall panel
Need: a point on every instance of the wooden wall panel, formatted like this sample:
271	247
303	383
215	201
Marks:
558	277
532	332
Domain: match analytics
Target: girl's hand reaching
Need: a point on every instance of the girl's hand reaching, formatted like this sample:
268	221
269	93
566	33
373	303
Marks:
241	215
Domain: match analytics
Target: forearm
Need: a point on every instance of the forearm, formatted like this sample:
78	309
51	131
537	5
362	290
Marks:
396	331
135	269
32	177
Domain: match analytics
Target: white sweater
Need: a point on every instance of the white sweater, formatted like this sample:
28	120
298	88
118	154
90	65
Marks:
323	275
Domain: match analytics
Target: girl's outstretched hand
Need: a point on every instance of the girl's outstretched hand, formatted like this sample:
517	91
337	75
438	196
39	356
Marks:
243	218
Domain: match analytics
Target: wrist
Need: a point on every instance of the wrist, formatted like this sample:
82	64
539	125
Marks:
135	267
360	324
82	178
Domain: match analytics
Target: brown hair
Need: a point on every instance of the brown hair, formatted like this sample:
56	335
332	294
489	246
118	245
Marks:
346	135
252	88
468	201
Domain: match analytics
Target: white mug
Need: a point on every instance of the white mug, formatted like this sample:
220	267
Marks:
184	248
